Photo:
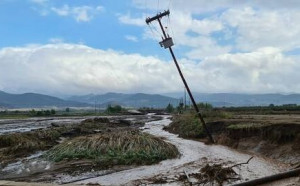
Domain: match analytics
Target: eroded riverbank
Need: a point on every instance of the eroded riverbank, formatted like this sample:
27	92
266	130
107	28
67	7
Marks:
194	155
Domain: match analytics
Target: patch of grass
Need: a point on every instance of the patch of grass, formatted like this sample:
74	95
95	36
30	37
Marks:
115	148
245	126
213	114
14	116
21	144
187	125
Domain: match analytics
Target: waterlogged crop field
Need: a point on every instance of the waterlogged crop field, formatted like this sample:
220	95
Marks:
34	149
112	150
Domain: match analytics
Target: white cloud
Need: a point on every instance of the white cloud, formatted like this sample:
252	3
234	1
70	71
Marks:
80	13
131	38
127	19
204	6
39	1
56	40
63	11
40	6
242	26
264	70
78	69
181	24
256	29
71	69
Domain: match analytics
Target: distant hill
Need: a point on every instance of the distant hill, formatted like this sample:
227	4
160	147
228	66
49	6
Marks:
32	100
228	99
129	100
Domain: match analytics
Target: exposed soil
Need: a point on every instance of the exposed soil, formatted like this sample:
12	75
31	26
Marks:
274	136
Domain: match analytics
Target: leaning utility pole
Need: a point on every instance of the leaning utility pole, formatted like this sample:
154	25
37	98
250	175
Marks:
167	42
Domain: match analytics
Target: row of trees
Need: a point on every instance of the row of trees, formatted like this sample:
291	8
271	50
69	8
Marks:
42	112
180	108
113	109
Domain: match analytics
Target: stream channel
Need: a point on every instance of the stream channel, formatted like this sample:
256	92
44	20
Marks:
194	154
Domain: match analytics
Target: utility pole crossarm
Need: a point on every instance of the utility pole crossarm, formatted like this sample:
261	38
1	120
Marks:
158	16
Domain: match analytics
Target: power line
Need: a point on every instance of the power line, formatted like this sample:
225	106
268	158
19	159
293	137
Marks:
167	43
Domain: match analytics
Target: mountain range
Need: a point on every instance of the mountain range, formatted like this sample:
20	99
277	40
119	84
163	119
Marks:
128	100
33	100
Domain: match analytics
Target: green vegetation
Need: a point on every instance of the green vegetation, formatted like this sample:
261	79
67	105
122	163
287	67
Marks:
42	112
237	123
115	148
271	109
114	109
22	114
170	108
21	144
245	126
187	124
114	143
205	106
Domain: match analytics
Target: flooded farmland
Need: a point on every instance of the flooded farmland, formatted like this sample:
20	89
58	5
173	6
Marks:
194	155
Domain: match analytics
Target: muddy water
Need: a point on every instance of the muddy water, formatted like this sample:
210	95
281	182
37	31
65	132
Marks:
24	125
192	152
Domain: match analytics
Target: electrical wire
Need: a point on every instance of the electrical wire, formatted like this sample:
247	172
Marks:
156	33
169	4
171	28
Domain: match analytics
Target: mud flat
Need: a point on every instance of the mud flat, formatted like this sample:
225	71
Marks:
24	125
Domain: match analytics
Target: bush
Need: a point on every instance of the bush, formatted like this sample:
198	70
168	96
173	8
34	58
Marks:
114	109
187	125
170	108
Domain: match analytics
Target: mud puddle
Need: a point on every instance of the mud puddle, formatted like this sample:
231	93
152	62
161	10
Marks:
194	156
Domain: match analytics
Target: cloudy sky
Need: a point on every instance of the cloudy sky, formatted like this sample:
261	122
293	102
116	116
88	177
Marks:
65	47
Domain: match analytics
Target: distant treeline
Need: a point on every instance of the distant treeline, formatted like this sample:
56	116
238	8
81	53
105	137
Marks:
35	113
271	107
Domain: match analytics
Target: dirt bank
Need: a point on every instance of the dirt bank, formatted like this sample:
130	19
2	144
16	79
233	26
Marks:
279	141
273	136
